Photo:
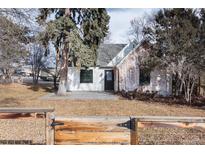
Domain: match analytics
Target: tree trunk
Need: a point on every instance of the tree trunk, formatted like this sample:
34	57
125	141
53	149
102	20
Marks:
199	86
188	89
181	88
35	72
55	82
63	72
56	69
62	88
7	76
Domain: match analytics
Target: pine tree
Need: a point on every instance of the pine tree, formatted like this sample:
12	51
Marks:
76	31
12	47
179	45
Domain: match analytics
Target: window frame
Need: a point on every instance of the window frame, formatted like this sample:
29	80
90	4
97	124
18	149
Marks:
146	77
83	76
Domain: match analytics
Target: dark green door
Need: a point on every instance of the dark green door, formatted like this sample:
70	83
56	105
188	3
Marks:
109	80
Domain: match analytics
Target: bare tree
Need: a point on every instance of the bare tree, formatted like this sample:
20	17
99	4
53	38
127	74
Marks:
17	27
138	25
37	61
54	60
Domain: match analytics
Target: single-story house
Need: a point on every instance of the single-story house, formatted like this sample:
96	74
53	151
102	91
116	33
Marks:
117	69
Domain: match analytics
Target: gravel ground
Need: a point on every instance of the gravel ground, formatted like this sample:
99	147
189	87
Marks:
22	129
173	136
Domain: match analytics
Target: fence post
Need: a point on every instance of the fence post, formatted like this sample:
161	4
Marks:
49	129
134	129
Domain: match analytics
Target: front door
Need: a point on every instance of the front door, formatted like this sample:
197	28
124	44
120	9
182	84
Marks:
109	80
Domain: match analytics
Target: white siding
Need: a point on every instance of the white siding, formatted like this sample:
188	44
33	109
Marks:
128	75
160	80
74	80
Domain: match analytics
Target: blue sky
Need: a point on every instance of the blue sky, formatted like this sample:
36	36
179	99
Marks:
120	22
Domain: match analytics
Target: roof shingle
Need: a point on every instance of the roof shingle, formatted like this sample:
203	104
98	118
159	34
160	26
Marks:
106	52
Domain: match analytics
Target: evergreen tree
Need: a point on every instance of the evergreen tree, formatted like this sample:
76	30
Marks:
12	47
74	31
179	45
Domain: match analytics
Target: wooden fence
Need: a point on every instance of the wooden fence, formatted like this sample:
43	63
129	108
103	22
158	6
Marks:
164	122
18	113
100	129
115	130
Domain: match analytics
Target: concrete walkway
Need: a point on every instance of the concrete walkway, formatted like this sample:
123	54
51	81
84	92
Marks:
82	95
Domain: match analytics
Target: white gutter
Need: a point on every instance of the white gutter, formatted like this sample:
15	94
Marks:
123	53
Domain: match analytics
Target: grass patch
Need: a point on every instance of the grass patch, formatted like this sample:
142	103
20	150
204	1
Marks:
17	95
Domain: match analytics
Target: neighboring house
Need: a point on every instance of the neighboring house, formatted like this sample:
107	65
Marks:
118	69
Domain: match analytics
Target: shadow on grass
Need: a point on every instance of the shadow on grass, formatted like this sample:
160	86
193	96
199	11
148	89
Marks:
14	115
46	87
197	101
9	102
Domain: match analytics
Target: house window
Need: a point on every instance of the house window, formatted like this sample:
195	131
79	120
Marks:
86	76
109	76
144	77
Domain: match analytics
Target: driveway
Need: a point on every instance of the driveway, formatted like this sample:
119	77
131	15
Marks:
82	95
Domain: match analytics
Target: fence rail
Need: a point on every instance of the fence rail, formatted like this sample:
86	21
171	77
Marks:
25	110
170	119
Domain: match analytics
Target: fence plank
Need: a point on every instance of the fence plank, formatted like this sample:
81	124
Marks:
81	137
71	125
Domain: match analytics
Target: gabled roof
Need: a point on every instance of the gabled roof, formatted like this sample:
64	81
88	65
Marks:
106	52
132	50
122	54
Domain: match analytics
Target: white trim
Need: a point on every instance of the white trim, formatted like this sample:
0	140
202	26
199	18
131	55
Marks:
131	51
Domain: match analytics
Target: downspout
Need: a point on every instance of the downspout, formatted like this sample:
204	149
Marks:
118	81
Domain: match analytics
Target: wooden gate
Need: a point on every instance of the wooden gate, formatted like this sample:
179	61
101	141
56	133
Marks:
93	130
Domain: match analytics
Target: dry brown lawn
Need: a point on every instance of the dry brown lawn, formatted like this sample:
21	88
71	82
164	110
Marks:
17	95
